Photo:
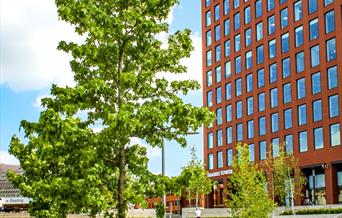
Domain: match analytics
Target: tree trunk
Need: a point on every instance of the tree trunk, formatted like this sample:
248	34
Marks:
122	206
196	200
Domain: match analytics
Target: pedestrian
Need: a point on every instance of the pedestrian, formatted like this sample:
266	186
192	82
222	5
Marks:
198	213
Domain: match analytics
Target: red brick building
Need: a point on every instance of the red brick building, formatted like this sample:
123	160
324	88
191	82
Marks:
272	73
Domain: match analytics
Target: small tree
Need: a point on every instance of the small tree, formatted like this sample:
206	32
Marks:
247	196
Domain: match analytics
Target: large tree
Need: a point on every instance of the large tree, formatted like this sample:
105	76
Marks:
70	168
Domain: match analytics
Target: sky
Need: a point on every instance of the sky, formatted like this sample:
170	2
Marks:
30	63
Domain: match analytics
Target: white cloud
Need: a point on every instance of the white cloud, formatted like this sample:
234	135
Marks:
6	158
152	152
38	101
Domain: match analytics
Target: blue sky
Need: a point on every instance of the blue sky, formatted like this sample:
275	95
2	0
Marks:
30	64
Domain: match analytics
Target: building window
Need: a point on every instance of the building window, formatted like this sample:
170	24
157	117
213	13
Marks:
207	3
217	12
210	161
261	98
237	45
274	122
333	106
273	72
335	134
331	49
248	37
229	135
217	32
288	118
210	140
275	147
299	35
219	116
286	67
329	21
312	6
219	159
227	67
209	78
327	2
314	33
287	93
302	114
316	83
218	74
209	58
262	126
258	9
250	106
261	78
248	59
317	110
210	98
270	5
239	132
208	38
303	141
228	91
289	144
226	7
301	88
272	49
284	18
238	65
250	129
285	43
229	113
229	157
262	146
218	53
219	137
318	138
271	25
208	18
298	10
274	97
238	87
300	62
332	77
236	3
237	21
314	56
249	81
227	48
238	109
226	27
251	152
259	31
218	95
260	54
247	15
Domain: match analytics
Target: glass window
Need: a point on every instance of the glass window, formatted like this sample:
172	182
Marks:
287	93
218	95
210	161
286	67
284	18
261	78
208	18
326	2
217	12
250	125
248	37
274	122
298	10
289	144
249	81
331	49
238	109
312	6
249	105
271	25
272	49
248	59
219	159
227	48
209	78
300	62
339	179
209	58
208	38
238	87
262	126
207	3
226	27
270	5
247	15
237	21
239	132
219	137
229	113
236	3
329	21
261	98
218	74
219	116
303	141
317	110
285	43
332	77
229	135
251	152
260	54
316	83
210	140
301	88
229	157
238	65
275	147
259	31
227	67
210	98
226	7
262	146
228	91
217	32
299	35
314	55
335	134
237	45
282	1
274	97
288	118
273	73
314	33
258	9
218	53
302	114
318	138
333	106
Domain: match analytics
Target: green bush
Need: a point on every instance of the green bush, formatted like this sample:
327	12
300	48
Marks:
160	210
315	211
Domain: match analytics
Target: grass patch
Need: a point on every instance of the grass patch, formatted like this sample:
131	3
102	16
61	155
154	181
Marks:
314	211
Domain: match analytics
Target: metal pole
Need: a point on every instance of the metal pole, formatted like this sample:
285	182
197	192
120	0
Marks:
163	173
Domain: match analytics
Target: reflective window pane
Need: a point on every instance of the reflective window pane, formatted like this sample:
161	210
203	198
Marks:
229	113
273	72
208	18
228	91
228	71
301	88
316	83
210	140
335	134
314	29
238	109
238	64
218	95
227	48
249	60
312	6
219	116
229	135
286	67
288	118
300	62
333	106
289	144
237	21
218	74
284	18
329	21
238	87
262	146
271	25
219	159
219	137
248	37
274	122
260	54
217	12
249	81
299	36
247	15
298	10
332	77
239	132
258	9
274	97
210	98
261	78
287	93
229	157
261	101
250	129
314	56
303	141
226	27
262	126
250	106
272	49
210	161
331	49
317	110
302	114
209	78
285	43
275	147
318	138
259	31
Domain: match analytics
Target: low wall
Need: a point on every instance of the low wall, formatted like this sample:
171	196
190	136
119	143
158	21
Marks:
206	212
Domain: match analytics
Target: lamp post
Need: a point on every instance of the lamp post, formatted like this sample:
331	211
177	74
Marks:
163	173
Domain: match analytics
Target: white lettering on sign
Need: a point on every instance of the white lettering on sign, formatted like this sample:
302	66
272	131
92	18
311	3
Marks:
220	173
16	201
